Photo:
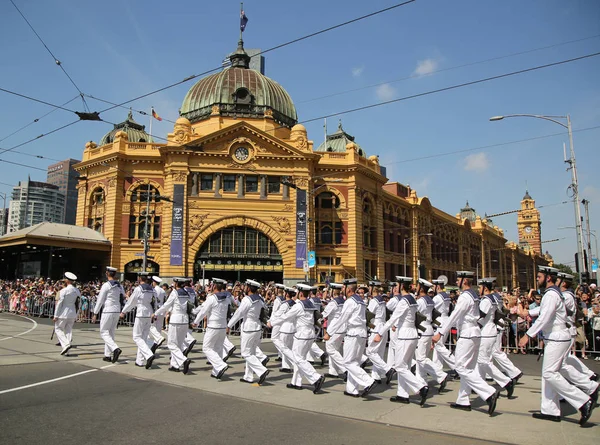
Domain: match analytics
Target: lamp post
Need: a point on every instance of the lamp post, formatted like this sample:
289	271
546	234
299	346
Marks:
574	184
406	242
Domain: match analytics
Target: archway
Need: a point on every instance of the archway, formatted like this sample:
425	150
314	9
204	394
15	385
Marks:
133	267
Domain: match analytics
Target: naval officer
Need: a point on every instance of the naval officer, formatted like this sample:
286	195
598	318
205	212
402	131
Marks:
283	332
376	350
334	342
157	324
109	301
65	312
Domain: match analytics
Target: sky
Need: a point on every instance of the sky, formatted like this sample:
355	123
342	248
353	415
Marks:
441	144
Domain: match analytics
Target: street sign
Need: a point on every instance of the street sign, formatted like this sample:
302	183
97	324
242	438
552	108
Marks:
305	266
138	254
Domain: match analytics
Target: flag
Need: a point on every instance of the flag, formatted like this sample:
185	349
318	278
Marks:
155	115
243	21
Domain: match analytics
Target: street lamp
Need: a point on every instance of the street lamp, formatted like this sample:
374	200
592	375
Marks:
573	168
404	246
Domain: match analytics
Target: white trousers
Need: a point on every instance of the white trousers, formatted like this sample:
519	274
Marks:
554	385
467	351
212	346
302	368
227	346
574	361
424	364
63	329
249	349
442	355
354	347
141	329
334	346
284	343
408	383
391	356
375	352
502	360
176	343
108	325
485	362
314	353
260	355
189	338
156	329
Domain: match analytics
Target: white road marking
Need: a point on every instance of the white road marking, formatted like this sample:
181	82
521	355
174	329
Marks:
35	325
47	381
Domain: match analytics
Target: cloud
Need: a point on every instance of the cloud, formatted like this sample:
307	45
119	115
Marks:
477	162
357	71
426	66
385	92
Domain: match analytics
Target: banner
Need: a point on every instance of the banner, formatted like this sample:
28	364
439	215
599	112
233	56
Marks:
312	259
594	264
301	218
177	226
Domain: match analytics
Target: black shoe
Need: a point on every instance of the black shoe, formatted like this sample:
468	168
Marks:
186	351
491	401
461	407
586	411
64	351
265	361
443	384
368	389
229	354
288	370
423	393
278	359
363	365
345	376
192	344
332	376
510	388
116	354
413	369
139	366
594	377
323	358
594	397
57	344
356	396
149	362
154	348
399	399
454	375
318	384
262	378
517	378
290	386
160	342
378	381
106	359
543	416
246	381
173	369
208	363
186	366
389	376
221	373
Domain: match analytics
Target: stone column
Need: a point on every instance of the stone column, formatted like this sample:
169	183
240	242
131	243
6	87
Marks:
286	192
240	179
217	185
263	187
195	179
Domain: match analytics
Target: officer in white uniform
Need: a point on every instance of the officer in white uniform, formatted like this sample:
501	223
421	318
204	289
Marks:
250	311
178	325
190	341
425	306
279	298
334	343
488	308
316	353
395	296
143	298
157	324
465	317
552	321
376	350
403	321
283	331
354	317
442	301
109	301
65	312
303	313
215	310
498	354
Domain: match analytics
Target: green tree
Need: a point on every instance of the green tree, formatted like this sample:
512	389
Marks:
567	269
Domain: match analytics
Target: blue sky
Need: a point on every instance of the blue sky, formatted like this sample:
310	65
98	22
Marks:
117	50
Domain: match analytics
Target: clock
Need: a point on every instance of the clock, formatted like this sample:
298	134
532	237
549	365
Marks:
241	154
528	229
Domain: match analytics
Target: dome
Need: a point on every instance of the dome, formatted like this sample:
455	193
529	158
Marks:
338	141
135	132
240	92
527	195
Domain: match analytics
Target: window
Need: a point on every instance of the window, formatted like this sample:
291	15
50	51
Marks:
227	244
141	194
206	182
326	233
238	243
95	216
251	184
263	244
229	183
327	200
273	184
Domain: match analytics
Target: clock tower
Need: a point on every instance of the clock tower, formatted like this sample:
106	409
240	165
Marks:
529	224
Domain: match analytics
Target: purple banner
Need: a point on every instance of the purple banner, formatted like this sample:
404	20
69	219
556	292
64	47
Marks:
177	226
301	219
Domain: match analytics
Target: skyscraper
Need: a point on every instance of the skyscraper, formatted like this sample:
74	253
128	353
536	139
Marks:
34	202
64	177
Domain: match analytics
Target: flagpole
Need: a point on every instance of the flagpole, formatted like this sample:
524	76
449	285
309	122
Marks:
241	11
151	118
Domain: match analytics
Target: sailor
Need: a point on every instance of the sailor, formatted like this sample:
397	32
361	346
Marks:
442	301
552	321
403	321
304	315
215	310
465	316
109	302
316	353
143	299
178	325
376	350
334	343
283	332
279	298
157	324
426	307
488	309
353	317
65	312
250	311
190	341
395	296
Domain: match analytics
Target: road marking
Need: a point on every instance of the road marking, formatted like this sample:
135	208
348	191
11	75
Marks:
47	381
22	333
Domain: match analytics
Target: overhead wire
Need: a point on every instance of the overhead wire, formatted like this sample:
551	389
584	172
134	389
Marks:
37	100
144	113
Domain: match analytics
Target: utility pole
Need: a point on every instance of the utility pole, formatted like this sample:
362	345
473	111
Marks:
145	241
586	203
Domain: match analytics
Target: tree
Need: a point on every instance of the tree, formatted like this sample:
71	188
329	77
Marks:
567	269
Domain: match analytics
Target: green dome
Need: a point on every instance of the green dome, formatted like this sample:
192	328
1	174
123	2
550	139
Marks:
135	132
240	92
337	142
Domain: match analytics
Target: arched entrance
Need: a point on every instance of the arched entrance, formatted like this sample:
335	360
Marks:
133	267
236	253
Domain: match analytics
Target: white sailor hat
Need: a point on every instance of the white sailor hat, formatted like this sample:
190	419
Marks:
304	286
484	281
111	269
374	283
548	270
219	280
423	282
252	283
566	276
401	279
348	281
438	282
279	286
290	290
70	276
465	274
336	285
179	280
156	279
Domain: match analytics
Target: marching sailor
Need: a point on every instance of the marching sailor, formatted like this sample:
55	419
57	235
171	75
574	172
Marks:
250	311
465	316
442	301
143	299
334	342
283	332
498	354
376	350
403	321
279	298
157	324
65	312
109	301
395	296
178	325
316	353
552	321
190	341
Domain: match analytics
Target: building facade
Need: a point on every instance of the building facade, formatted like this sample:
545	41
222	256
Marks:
34	202
65	177
249	197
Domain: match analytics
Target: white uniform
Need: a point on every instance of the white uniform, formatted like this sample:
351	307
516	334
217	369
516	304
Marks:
465	316
354	317
189	338
405	344
249	311
178	324
66	313
425	365
282	340
489	335
552	322
500	357
441	354
334	345
391	306
315	352
376	351
215	309
157	324
109	300
141	299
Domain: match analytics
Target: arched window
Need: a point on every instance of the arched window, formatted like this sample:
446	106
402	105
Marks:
369	227
145	213
141	193
96	210
327	200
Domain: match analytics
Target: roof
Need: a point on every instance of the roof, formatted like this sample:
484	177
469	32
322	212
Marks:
55	234
527	195
337	142
135	132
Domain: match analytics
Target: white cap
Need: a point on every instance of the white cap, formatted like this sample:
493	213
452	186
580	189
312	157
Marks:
303	286
111	269
336	285
252	283
291	290
279	286
401	279
424	282
156	279
70	276
219	280
465	274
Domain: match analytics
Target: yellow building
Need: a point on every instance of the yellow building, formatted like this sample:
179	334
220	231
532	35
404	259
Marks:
249	197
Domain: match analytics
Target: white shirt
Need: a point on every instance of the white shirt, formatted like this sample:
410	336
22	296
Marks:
442	305
488	306
333	311
110	298
303	315
160	296
141	299
553	317
215	309
280	324
65	308
353	316
377	306
177	305
249	310
464	317
403	317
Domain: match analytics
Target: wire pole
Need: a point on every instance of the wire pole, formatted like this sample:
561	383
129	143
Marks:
145	261
586	203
